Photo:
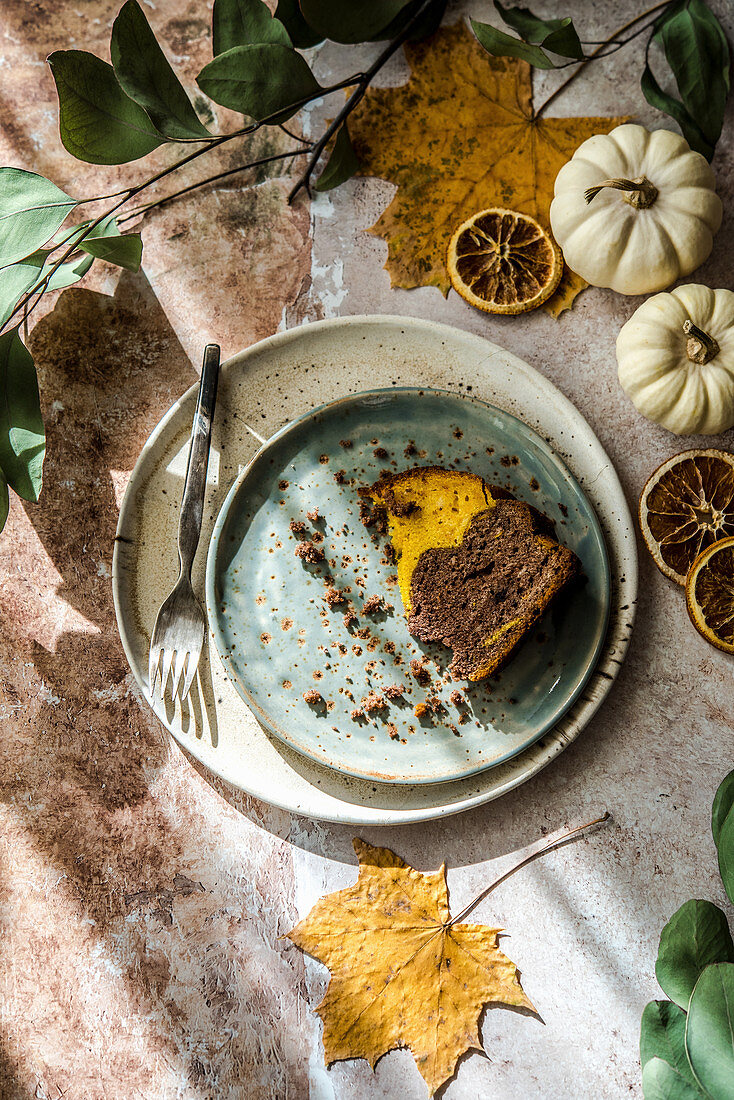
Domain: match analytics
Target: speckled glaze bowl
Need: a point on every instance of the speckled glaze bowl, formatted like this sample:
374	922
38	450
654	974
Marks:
279	638
261	391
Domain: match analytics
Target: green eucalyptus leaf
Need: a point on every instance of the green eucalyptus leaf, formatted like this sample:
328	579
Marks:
31	210
243	23
710	1031
661	1081
98	122
725	849
4	501
356	21
663	1035
695	936
301	35
22	436
68	273
500	44
723	802
106	243
143	71
557	35
697	52
259	80
16	280
342	163
669	105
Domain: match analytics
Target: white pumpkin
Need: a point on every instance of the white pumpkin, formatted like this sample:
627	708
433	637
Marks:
635	210
676	359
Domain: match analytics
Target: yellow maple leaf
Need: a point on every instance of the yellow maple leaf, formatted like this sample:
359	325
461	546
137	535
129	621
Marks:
458	137
401	974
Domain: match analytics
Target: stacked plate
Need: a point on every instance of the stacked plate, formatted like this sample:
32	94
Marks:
436	396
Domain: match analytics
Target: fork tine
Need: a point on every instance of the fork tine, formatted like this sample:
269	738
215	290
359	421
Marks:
168	655
189	678
154	660
178	667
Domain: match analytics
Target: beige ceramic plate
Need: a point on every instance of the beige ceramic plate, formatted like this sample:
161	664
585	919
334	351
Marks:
261	390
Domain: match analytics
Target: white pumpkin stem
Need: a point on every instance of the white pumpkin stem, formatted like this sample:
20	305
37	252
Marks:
701	347
639	193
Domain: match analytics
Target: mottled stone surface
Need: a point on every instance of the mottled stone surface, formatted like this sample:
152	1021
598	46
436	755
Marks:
141	900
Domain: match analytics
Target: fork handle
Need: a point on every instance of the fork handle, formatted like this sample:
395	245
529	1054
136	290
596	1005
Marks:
192	501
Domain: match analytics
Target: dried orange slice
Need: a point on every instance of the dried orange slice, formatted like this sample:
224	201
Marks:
687	506
710	594
503	262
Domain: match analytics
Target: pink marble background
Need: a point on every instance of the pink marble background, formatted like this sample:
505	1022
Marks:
141	900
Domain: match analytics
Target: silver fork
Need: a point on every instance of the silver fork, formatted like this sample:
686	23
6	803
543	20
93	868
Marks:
178	634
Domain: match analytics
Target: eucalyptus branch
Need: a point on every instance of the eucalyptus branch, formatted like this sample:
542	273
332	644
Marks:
24	307
599	52
363	83
548	846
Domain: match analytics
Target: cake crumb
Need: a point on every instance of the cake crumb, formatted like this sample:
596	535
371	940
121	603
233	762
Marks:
373	702
308	552
457	698
333	597
373	604
420	710
350	619
340	477
410	449
363	633
265	637
313	516
287	684
283	485
534	484
394	691
346	444
313	697
434	704
380	452
357	650
356	714
298	527
419	671
286	623
392	729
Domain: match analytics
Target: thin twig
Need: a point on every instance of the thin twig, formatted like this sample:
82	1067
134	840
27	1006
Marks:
548	846
210	179
296	137
608	53
304	183
595	53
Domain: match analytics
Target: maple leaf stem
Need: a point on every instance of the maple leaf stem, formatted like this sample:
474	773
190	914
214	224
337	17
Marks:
363	81
599	50
549	845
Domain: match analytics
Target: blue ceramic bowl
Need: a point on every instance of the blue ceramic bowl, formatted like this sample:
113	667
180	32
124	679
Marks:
278	637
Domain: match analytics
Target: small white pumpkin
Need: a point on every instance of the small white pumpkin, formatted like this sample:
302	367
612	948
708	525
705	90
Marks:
676	359
635	210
